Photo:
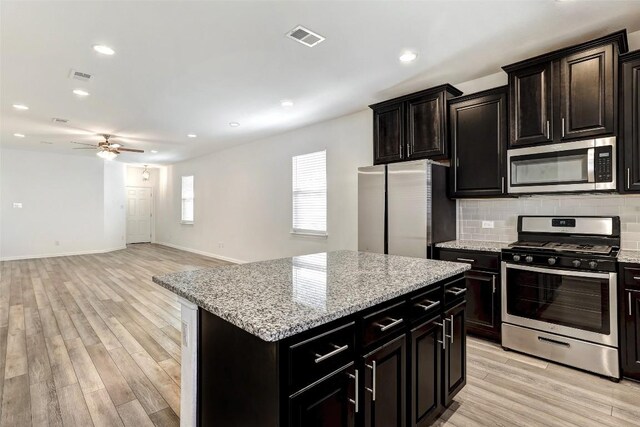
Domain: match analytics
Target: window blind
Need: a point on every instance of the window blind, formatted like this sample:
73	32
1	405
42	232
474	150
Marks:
310	193
187	199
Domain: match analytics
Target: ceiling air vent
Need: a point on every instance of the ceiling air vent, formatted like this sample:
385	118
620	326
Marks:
59	120
305	36
79	75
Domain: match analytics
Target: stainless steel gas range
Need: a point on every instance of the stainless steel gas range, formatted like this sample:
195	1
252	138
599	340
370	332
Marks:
559	291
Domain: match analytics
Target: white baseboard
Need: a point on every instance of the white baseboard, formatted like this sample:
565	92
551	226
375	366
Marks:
96	251
203	253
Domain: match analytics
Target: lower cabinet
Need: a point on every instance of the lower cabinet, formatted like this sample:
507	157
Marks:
385	384
630	321
426	382
330	402
455	353
483	303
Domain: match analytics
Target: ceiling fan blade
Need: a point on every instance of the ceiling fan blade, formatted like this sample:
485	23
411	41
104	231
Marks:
82	143
133	150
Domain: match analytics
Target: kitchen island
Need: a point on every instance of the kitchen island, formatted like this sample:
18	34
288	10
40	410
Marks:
341	338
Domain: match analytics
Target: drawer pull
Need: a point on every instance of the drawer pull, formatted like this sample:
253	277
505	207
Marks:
444	334
394	322
636	277
355	402
320	358
466	260
428	307
456	291
550	341
372	390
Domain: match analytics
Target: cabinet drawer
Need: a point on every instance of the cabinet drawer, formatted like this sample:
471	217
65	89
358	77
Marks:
320	355
383	323
632	277
426	304
454	291
483	260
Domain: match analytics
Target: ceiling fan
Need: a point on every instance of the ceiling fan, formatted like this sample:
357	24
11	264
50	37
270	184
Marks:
106	150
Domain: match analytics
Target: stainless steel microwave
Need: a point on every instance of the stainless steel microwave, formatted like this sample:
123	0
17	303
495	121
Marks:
588	165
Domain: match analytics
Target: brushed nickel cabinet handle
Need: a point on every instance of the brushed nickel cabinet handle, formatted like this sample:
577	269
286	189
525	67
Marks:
502	184
466	260
548	127
493	283
338	349
563	127
628	178
456	291
444	334
636	277
372	390
427	307
355	402
394	322
629	294
451	334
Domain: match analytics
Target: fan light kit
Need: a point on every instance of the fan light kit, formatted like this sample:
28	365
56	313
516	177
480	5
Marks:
106	149
20	107
107	154
105	50
81	92
146	174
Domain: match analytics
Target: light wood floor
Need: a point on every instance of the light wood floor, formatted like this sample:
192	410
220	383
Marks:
91	340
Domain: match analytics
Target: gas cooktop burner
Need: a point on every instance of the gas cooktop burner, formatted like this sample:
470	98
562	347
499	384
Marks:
563	247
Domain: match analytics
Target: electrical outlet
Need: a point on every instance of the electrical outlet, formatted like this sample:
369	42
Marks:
221	245
487	224
17	205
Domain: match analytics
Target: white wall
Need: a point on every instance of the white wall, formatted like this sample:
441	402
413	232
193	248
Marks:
114	205
243	194
63	200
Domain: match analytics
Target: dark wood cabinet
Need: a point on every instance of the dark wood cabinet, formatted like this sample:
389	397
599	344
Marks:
385	384
483	296
413	126
426	372
455	353
478	132
388	133
531	105
587	93
567	94
629	308
327	403
630	122
426	126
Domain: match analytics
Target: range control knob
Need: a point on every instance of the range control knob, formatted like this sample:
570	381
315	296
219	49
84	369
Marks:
516	258
593	265
552	261
576	263
529	258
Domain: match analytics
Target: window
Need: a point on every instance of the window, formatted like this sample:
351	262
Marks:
187	200
310	193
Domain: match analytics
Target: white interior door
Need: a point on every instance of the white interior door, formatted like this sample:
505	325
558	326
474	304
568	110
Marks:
138	215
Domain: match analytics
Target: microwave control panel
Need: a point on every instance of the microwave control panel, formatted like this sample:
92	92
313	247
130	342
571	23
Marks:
604	164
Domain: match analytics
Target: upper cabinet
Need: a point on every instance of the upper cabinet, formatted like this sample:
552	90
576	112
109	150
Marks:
568	94
630	121
413	126
478	132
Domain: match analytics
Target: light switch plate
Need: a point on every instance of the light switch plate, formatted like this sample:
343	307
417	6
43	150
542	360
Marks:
487	224
17	205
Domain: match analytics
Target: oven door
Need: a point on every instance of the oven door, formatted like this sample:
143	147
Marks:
575	304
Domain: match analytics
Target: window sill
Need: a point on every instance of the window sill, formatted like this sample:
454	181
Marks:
186	222
320	234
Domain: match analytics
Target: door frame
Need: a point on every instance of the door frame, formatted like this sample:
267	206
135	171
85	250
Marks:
152	208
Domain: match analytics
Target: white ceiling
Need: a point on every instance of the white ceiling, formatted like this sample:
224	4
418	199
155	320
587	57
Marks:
192	67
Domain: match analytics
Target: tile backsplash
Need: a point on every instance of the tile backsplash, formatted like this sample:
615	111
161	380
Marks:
504	213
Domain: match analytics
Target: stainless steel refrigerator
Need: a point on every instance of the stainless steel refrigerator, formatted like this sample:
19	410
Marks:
403	208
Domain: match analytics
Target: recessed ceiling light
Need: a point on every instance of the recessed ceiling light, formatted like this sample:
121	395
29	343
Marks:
234	124
154	151
191	135
81	92
20	107
18	135
286	103
105	50
408	56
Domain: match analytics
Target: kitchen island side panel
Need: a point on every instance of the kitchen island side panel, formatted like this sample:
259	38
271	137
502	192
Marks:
238	381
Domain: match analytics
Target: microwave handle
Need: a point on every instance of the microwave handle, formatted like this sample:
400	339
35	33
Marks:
591	165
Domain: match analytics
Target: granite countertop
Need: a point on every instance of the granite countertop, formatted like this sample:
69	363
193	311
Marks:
280	298
629	256
473	245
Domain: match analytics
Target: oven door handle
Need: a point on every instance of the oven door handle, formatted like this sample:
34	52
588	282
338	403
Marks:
574	273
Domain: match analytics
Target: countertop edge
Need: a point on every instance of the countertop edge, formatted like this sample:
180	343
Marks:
473	245
277	334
